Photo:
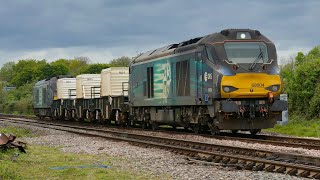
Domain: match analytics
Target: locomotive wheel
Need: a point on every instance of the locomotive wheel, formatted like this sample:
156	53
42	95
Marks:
154	125
196	128
255	131
214	130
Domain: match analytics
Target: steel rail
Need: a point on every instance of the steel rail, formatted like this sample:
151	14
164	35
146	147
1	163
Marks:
247	158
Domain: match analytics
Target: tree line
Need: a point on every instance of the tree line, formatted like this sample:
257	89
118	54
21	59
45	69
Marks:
301	79
22	75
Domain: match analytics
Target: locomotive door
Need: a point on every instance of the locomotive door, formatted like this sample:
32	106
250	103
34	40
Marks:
199	77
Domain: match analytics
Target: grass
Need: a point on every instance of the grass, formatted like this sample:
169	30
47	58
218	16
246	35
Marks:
299	126
38	161
19	132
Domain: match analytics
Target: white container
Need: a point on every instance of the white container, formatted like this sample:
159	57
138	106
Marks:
66	88
88	86
114	80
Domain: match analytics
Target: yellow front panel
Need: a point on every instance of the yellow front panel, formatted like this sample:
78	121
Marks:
250	85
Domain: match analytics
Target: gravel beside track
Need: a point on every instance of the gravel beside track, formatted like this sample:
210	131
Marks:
194	137
157	162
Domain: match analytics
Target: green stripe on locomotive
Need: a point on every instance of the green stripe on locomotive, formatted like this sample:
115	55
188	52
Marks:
176	81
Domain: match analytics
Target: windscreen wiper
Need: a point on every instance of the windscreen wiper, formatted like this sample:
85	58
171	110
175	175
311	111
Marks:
253	64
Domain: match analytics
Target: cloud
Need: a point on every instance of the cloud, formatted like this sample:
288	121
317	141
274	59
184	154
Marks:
106	29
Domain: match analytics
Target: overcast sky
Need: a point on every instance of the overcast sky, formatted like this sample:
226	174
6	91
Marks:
103	30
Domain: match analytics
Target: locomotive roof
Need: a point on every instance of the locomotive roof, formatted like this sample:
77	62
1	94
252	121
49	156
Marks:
191	44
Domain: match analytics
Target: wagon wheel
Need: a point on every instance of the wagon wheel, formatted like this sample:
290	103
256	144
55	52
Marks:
174	127
234	131
214	130
255	131
129	123
66	114
74	115
154	125
86	115
99	117
108	122
196	128
143	125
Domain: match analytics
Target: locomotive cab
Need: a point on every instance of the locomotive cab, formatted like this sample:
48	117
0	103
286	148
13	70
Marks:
247	81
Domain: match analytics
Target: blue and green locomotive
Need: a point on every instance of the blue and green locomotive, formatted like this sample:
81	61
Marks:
227	80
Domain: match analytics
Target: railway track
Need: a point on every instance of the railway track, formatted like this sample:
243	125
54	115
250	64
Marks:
244	158
295	142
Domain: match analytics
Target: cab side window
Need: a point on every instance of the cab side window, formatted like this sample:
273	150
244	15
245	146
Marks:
210	54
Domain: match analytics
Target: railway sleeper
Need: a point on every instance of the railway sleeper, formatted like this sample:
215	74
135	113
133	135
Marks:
249	165
292	171
259	167
225	160
233	161
316	176
270	167
280	169
217	159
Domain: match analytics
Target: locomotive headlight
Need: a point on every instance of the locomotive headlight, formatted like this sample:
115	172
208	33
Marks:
226	89
243	35
273	88
229	89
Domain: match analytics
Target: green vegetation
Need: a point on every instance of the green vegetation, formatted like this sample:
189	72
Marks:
39	160
301	78
25	73
301	82
299	126
19	132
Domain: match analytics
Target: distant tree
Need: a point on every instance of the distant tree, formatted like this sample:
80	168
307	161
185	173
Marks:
65	62
25	71
94	68
300	58
301	82
50	70
6	72
83	59
121	62
314	53
77	64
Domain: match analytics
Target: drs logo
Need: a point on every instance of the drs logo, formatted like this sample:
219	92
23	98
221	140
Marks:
257	85
207	76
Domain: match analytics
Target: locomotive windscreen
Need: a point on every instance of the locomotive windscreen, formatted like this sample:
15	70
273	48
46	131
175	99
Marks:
246	52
